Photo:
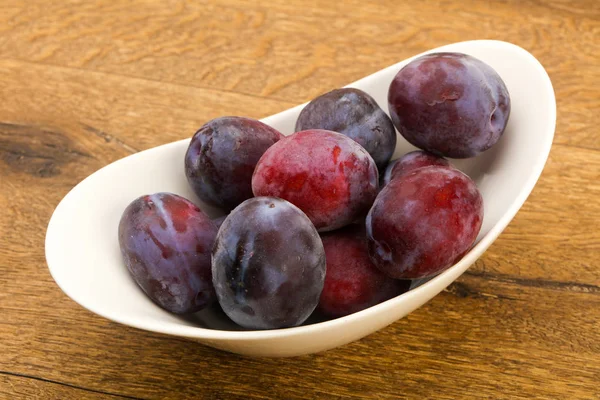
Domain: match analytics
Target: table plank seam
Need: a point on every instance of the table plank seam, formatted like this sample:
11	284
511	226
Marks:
20	375
537	283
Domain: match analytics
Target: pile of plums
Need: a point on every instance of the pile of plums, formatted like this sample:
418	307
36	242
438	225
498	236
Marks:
310	225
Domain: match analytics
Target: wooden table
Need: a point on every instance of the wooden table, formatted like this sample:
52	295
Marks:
86	83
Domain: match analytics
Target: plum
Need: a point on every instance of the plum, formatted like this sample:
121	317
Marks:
355	114
411	161
221	158
268	264
166	243
450	104
424	221
352	282
326	174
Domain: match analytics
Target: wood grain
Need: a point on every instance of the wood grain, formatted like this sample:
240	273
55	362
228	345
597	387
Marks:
27	388
86	83
294	53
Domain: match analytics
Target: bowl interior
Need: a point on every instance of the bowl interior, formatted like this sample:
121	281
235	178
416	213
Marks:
82	248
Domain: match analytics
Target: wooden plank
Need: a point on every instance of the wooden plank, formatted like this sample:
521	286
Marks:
553	237
26	388
133	114
85	83
294	52
481	339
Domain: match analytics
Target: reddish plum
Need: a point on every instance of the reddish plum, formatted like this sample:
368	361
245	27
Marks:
424	221
355	114
221	158
352	282
450	104
326	174
166	242
410	162
268	264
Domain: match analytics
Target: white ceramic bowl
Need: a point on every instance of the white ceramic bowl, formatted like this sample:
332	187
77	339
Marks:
83	255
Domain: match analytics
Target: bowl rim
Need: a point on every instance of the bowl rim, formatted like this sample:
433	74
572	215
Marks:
457	269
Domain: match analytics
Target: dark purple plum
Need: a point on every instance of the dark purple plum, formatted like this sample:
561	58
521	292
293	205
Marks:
423	222
221	158
355	114
166	243
449	104
411	161
352	282
326	174
268	264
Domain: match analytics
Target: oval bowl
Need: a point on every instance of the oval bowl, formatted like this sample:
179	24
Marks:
83	254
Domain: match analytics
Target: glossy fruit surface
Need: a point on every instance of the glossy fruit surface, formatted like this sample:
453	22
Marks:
268	264
411	161
423	222
355	114
326	174
450	104
221	158
166	243
352	282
